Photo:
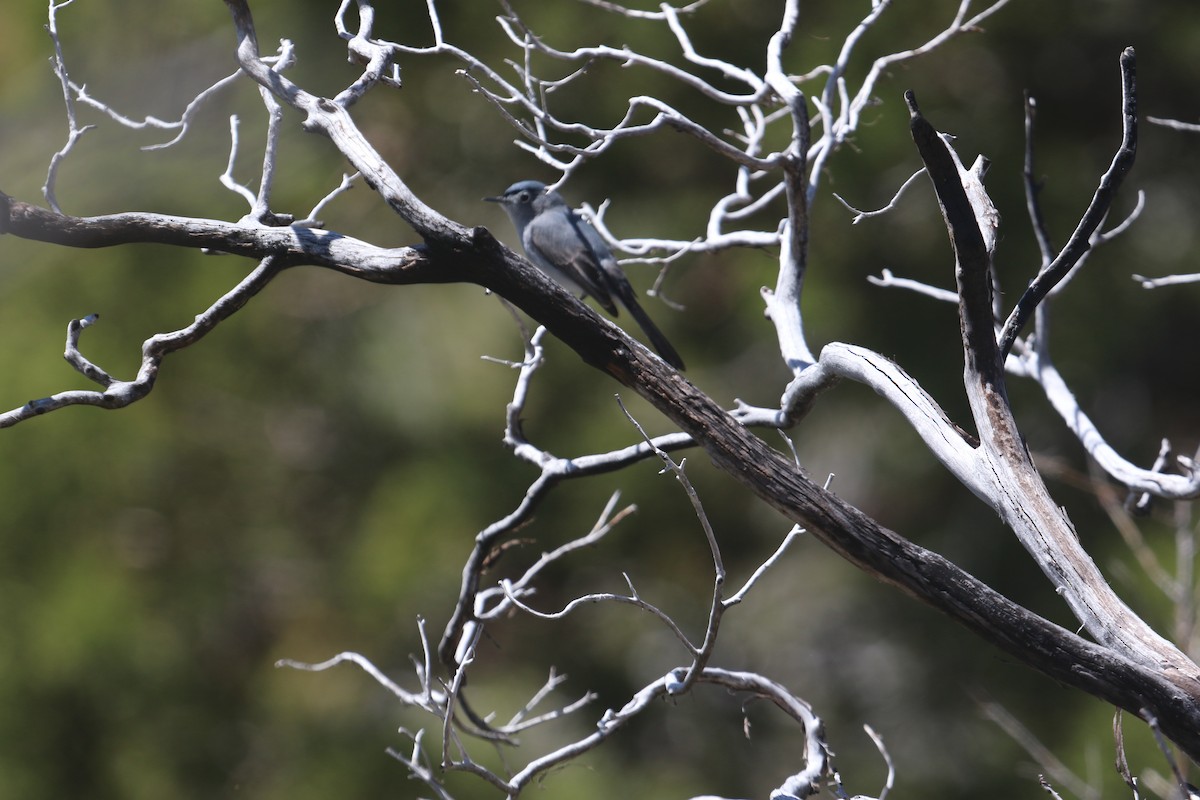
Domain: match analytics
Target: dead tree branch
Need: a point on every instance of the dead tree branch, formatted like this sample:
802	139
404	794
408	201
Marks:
1128	665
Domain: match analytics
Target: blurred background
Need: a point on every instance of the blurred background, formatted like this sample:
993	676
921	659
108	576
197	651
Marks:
310	477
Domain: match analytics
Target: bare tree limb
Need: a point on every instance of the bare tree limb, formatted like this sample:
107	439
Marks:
117	393
1189	127
1130	666
1005	473
1078	243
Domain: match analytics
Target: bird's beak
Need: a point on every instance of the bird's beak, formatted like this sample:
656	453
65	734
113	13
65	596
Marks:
494	199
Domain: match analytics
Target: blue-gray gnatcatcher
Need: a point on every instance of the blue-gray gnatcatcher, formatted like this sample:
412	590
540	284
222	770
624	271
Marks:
564	246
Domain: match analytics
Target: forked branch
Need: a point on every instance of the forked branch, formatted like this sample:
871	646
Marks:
1080	240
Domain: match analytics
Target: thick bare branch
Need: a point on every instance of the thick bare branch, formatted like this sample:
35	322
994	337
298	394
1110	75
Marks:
1005	472
292	244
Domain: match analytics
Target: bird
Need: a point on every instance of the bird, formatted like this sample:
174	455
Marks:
567	248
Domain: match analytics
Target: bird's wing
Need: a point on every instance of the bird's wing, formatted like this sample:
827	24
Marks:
561	238
574	248
620	288
607	272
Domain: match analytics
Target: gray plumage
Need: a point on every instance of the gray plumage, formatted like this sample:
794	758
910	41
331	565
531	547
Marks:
564	246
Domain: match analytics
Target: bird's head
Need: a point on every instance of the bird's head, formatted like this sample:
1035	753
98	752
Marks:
525	199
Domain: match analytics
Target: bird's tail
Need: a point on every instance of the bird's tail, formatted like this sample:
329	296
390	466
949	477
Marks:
657	339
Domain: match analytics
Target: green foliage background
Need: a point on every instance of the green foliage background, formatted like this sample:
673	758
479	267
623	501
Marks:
310	477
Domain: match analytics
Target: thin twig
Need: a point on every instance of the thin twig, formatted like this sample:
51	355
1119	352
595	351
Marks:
1078	244
859	216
